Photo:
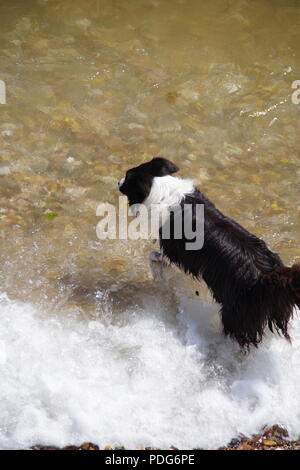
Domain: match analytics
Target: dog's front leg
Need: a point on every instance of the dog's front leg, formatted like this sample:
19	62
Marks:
156	264
155	257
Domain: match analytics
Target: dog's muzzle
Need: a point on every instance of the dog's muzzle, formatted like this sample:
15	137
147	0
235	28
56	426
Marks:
121	182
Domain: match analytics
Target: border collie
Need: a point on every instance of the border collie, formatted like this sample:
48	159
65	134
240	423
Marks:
247	279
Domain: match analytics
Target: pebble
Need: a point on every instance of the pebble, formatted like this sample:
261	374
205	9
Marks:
5	170
258	442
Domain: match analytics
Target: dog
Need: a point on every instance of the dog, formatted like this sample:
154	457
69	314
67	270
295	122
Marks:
247	279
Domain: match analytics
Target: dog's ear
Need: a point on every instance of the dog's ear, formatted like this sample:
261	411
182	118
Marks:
162	167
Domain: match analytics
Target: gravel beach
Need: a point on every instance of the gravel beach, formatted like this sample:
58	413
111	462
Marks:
273	438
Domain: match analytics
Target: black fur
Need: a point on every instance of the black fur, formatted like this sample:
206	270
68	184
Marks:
138	180
245	277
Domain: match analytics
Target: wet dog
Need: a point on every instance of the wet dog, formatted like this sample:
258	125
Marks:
246	278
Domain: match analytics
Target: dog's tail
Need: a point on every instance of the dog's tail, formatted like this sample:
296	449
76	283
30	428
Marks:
284	286
271	304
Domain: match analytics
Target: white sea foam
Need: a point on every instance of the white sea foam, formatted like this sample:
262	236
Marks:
143	382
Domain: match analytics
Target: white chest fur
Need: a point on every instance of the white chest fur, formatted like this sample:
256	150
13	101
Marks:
166	192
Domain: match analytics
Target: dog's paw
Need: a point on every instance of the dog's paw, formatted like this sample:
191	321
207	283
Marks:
155	256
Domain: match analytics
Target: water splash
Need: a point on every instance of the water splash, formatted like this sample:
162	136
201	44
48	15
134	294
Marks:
143	382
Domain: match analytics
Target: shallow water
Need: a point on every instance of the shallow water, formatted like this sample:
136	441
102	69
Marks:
93	88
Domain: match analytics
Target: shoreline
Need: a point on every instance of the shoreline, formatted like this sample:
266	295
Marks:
270	438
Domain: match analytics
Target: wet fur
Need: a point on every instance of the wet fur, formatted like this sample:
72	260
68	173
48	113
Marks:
246	278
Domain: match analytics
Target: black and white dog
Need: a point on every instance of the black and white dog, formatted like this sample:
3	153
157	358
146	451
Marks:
246	278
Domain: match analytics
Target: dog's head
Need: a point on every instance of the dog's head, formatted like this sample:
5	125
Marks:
138	181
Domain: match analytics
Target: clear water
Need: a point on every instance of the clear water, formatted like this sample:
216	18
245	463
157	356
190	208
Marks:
87	336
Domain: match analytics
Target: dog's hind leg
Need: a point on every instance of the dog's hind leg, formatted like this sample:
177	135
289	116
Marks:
242	325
